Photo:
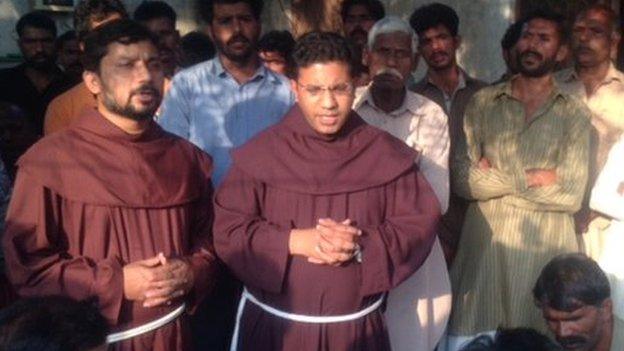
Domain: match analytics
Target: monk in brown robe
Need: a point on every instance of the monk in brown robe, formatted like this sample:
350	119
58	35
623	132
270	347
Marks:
320	215
115	209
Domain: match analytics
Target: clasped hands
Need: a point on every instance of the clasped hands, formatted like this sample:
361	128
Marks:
534	177
329	243
157	281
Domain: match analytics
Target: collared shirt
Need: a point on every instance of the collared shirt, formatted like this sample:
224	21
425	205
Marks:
606	104
454	105
422	125
557	137
208	107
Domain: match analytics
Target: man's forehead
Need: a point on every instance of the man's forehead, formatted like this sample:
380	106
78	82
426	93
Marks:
540	25
35	32
229	10
435	31
358	10
159	24
393	39
140	49
552	313
593	17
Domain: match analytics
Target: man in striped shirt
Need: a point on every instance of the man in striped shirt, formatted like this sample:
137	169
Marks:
523	167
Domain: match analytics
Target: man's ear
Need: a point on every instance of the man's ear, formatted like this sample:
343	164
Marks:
92	82
615	44
458	41
607	307
293	88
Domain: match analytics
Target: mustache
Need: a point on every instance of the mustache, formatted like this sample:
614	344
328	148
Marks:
145	88
238	38
572	341
358	31
389	71
527	53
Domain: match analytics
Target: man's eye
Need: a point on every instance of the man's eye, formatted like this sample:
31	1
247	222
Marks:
314	90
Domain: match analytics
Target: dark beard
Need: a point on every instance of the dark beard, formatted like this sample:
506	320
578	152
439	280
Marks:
236	57
128	110
546	67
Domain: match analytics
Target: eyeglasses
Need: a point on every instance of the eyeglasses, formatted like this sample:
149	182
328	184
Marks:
342	89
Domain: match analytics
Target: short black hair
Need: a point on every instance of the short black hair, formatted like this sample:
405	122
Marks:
279	41
95	10
571	281
52	323
65	37
512	35
149	10
374	7
123	31
433	15
517	339
197	47
548	14
320	47
35	19
206	7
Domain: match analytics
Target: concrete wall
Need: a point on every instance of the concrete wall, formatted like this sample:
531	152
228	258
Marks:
482	23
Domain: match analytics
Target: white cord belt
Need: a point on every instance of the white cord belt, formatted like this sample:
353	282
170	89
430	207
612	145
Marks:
302	318
145	328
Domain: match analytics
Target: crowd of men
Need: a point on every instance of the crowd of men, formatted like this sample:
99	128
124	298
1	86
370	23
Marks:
226	191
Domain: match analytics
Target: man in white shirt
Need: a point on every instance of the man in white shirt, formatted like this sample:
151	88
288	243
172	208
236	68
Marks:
607	198
418	309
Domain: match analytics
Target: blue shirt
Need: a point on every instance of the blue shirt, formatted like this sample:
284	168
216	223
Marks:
208	107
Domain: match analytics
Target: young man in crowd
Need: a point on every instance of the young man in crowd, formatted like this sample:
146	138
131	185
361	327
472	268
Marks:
320	215
27	86
160	18
418	309
449	85
113	208
275	48
67	107
523	166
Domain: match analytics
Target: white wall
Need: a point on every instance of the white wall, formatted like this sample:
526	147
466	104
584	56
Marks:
482	24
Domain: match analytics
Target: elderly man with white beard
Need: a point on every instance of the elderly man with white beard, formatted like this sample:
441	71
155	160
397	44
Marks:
418	309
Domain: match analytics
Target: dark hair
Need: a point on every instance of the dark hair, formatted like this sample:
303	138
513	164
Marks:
279	41
433	15
612	17
88	11
512	34
35	19
122	31
320	47
149	10
518	339
65	37
569	282
374	7
551	16
52	323
197	47
206	7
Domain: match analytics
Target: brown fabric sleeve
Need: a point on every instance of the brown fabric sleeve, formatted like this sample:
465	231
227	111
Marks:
253	248
203	259
37	260
396	248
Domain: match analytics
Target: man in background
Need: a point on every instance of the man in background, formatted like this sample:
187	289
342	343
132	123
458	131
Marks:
275	48
449	86
64	109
